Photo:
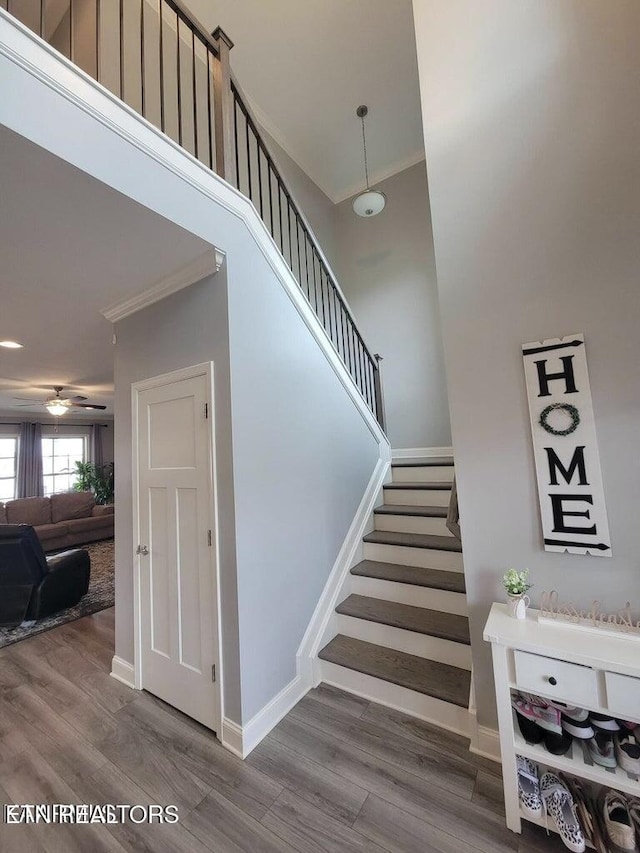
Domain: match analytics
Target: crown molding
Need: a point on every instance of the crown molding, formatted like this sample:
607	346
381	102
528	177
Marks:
206	264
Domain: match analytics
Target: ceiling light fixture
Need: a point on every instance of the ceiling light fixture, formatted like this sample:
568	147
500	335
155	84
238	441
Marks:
57	407
10	345
370	202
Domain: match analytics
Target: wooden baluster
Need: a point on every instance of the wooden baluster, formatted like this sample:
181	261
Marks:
223	108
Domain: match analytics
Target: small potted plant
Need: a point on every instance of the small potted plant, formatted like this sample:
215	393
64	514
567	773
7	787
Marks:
516	585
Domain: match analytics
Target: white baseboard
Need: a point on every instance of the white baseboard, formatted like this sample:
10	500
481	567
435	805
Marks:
483	740
419	452
231	737
123	671
352	546
241	740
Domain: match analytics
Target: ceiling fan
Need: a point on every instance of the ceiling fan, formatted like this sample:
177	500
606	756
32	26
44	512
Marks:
58	405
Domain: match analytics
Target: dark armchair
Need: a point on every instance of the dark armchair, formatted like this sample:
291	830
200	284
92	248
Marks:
33	586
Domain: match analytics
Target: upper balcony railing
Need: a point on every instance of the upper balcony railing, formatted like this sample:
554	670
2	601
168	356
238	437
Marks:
159	60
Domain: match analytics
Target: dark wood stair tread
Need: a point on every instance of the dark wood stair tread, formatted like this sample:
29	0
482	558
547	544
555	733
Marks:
444	487
439	680
431	462
433	623
414	540
404	509
432	578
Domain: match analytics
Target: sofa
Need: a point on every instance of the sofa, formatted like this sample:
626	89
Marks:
61	521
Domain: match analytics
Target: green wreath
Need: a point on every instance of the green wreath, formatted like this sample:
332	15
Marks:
573	413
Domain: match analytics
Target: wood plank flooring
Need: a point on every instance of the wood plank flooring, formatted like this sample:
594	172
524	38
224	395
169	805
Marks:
337	775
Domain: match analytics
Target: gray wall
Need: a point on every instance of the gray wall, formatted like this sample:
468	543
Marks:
302	456
387	270
293	458
532	135
187	328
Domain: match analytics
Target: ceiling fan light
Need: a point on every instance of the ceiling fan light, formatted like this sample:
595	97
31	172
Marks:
369	203
57	407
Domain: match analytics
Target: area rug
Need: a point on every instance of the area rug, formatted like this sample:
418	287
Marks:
99	596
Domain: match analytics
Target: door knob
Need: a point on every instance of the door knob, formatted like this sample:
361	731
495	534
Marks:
143	550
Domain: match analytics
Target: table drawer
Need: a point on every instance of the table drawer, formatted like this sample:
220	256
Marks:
623	696
570	682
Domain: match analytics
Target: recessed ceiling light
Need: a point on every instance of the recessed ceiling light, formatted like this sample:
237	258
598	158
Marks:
10	345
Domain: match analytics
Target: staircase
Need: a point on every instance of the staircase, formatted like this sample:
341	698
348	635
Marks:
402	629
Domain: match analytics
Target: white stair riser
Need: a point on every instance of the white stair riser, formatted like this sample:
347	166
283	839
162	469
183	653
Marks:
410	642
417	497
406	593
442	714
423	474
424	558
412	524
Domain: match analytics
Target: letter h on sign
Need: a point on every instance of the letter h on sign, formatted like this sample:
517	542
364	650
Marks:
570	490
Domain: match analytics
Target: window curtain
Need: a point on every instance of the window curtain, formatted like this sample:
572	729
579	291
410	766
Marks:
29	478
96	454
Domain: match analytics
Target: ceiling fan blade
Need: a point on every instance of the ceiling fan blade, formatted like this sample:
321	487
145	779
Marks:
28	405
28	400
78	398
87	406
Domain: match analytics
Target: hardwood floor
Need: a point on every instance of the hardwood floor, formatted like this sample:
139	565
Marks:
337	775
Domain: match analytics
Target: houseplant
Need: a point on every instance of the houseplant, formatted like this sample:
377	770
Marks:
97	479
516	585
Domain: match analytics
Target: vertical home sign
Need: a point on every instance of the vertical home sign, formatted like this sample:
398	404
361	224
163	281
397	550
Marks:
574	515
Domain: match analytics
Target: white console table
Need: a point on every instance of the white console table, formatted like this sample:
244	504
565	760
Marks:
582	666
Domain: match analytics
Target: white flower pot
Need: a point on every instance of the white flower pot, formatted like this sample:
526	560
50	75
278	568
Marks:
518	605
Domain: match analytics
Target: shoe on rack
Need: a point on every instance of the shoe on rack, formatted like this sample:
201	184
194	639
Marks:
576	722
528	787
587	814
559	804
634	812
603	722
601	749
557	744
530	731
547	718
617	820
627	751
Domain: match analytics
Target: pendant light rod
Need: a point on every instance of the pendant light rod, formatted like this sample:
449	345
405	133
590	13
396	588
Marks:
361	112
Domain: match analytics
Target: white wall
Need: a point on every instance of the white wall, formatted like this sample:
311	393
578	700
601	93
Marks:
386	267
532	132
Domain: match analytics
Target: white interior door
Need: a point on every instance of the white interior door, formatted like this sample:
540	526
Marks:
178	612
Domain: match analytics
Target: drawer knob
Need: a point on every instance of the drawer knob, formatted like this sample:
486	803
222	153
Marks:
552	681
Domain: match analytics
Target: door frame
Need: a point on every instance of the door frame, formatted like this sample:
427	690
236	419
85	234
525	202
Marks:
205	369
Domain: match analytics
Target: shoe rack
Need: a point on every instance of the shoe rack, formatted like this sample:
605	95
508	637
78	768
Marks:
568	663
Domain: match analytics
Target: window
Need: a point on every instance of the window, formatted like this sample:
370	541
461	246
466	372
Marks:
8	450
59	457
